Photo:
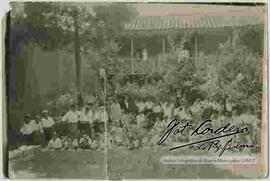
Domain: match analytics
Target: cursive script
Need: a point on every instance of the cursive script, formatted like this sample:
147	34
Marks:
204	129
217	146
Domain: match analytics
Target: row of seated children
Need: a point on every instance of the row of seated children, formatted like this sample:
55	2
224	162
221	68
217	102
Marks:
82	142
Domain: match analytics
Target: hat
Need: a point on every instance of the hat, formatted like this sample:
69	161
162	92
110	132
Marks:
72	105
102	107
90	104
38	116
44	111
27	116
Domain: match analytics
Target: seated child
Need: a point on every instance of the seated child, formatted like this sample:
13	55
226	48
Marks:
145	141
158	126
130	138
94	145
55	142
110	142
75	143
85	142
136	143
153	137
118	136
102	142
66	142
63	139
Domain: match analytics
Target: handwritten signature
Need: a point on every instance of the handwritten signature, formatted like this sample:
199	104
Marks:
175	128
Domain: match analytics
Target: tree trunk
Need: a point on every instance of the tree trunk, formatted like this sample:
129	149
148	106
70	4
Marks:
77	57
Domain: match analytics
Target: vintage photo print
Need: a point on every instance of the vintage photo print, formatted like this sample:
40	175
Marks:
121	90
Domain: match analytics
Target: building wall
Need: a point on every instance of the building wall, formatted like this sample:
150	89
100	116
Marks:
36	76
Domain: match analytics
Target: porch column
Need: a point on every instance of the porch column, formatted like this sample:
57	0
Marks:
131	55
163	49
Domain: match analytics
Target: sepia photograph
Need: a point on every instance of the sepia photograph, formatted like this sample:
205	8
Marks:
119	90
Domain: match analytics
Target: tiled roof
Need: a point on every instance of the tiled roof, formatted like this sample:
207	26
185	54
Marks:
148	23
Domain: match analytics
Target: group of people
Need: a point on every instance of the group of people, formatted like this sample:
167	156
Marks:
84	127
38	129
78	128
131	124
144	124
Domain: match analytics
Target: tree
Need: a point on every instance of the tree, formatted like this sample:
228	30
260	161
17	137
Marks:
240	76
87	28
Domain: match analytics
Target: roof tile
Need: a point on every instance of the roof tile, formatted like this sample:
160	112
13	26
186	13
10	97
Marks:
178	22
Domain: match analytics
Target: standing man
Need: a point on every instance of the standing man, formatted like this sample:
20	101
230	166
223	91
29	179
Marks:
47	123
116	112
149	106
132	108
39	136
144	54
140	119
123	103
72	118
86	118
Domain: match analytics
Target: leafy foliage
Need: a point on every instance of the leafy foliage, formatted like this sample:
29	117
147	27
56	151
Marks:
145	91
231	78
63	101
240	77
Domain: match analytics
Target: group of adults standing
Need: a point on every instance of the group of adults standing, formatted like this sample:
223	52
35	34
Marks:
37	130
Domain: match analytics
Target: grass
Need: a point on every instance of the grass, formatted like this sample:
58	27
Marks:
122	163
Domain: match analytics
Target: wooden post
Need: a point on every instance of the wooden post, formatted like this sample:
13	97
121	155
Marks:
96	86
196	51
131	55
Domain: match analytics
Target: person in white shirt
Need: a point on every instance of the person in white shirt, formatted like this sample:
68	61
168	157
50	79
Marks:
95	120
140	119
85	142
39	136
141	106
75	143
183	52
116	111
72	118
118	135
149	106
104	114
55	143
47	123
86	119
28	130
157	108
168	110
144	54
176	112
104	117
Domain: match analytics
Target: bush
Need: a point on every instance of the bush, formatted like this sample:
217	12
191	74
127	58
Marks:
63	102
